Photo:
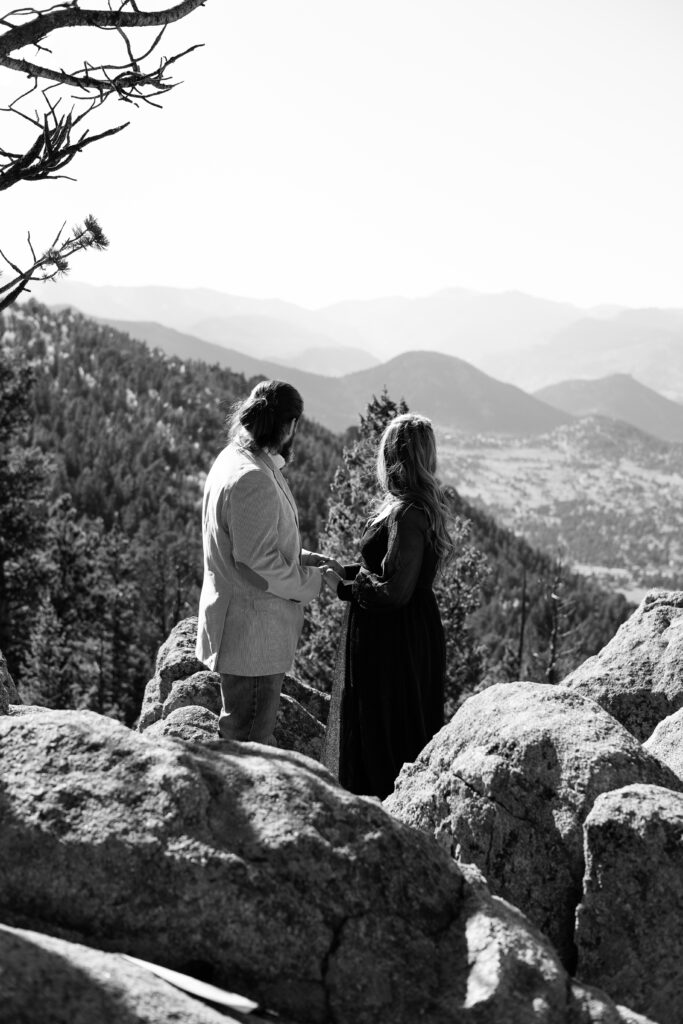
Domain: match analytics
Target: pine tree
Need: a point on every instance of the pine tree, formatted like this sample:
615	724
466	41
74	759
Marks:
120	663
554	633
458	593
60	659
49	663
23	508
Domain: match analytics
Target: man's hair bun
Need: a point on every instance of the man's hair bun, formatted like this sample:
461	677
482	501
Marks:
267	412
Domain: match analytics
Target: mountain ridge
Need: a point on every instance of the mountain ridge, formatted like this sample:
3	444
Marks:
517	338
621	397
427	380
647	344
452	320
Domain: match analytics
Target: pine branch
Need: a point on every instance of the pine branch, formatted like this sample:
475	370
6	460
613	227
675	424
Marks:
54	261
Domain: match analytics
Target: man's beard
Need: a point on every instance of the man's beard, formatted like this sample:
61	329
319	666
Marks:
286	449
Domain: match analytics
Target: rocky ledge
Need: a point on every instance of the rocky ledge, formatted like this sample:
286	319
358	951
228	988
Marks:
527	868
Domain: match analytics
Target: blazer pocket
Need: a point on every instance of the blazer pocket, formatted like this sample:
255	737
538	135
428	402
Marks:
287	614
279	624
261	632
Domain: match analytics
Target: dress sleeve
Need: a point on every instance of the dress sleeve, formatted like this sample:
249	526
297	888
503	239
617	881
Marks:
395	584
345	587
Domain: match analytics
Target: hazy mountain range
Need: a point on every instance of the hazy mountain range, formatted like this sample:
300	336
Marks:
454	321
450	391
645	343
518	338
513	338
268	329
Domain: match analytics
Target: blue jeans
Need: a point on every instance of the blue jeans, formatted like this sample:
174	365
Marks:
250	706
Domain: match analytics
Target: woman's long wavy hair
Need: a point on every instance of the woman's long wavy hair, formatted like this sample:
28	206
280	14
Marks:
406	467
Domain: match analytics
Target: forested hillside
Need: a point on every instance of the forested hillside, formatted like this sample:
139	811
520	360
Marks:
104	445
537	619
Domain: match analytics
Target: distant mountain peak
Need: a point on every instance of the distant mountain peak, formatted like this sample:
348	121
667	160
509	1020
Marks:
619	396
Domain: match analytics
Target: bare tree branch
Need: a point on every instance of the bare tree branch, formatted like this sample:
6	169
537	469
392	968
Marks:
137	78
53	149
130	82
70	15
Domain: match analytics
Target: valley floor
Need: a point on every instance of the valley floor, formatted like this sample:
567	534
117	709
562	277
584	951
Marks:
602	497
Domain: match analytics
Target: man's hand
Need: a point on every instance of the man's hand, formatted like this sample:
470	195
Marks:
323	561
331	579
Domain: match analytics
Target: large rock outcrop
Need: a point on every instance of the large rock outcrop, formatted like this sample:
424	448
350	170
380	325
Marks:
181	683
254	862
507	785
630	921
638	676
176	660
666	742
46	980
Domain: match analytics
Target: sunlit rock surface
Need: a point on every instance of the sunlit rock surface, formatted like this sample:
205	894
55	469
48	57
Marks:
638	675
630	921
254	862
507	785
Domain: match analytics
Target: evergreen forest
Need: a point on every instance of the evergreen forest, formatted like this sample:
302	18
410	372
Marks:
104	447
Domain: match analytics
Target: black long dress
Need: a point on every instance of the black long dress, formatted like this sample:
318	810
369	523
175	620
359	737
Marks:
387	698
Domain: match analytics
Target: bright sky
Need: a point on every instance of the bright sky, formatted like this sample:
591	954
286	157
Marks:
325	150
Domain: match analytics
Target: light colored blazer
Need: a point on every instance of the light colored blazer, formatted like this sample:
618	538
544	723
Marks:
251	607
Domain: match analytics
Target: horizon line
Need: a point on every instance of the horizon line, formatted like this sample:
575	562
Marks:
386	297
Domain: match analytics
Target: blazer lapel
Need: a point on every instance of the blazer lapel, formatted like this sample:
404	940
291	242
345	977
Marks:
283	485
288	494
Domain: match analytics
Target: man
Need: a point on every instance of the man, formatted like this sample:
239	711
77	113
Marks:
257	579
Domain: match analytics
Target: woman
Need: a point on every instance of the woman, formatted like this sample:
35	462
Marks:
387	700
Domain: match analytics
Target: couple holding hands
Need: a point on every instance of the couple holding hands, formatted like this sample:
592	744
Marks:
387	698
